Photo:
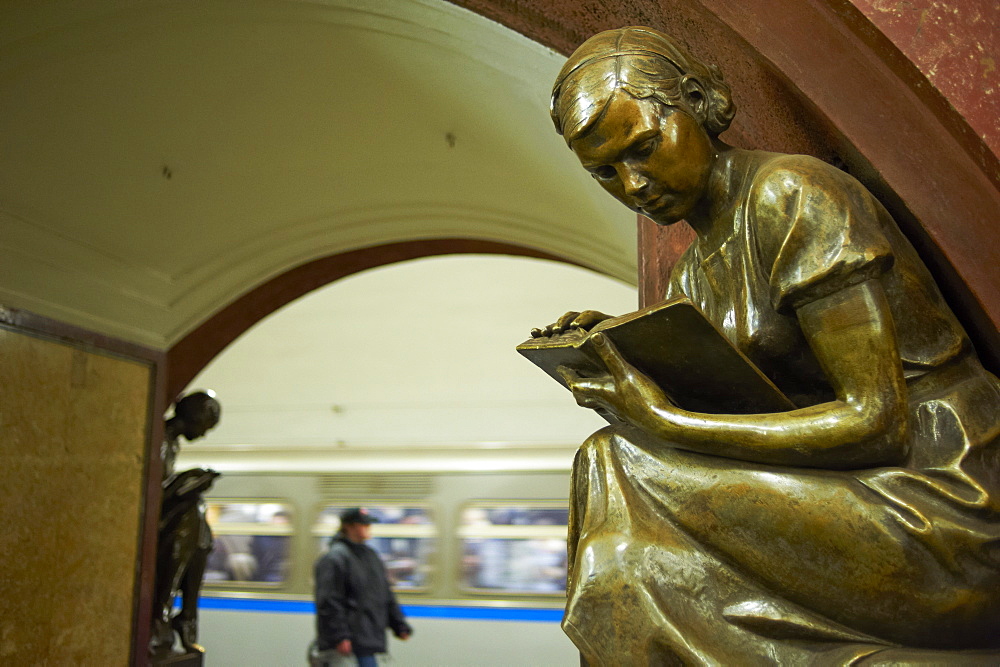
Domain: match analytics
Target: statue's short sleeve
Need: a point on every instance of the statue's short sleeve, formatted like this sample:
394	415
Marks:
682	281
818	231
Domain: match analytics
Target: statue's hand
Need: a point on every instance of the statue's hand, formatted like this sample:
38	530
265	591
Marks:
624	391
572	320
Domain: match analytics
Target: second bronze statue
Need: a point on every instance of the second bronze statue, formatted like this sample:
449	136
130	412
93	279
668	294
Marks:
184	541
863	523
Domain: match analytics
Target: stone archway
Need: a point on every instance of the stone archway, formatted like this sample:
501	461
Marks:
194	351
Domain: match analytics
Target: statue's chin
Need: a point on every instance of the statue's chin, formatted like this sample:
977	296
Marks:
663	218
662	221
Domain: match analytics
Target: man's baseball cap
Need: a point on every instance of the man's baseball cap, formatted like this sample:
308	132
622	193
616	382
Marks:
357	515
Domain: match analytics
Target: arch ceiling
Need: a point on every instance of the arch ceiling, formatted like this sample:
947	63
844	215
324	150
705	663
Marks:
158	159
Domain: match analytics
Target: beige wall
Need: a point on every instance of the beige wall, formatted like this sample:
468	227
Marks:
73	429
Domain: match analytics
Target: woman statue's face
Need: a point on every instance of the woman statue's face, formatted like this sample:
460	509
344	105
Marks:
654	159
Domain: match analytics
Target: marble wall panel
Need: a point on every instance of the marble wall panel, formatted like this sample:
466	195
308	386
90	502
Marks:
73	425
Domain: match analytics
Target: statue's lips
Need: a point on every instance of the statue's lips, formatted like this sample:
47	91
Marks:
653	204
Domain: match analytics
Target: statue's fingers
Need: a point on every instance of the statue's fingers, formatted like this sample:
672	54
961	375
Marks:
589	392
576	380
609	354
588	318
582	321
569	375
566	320
577	383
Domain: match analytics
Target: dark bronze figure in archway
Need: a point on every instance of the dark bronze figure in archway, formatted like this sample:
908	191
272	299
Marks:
185	539
862	523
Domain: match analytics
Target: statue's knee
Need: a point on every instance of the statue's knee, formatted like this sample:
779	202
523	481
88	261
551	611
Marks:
595	450
605	439
604	435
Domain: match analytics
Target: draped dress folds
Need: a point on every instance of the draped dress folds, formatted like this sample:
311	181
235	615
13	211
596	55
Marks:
678	557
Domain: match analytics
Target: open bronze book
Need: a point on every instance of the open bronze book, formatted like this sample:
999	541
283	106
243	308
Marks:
678	348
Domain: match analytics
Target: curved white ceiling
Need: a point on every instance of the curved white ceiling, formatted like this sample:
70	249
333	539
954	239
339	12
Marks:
158	159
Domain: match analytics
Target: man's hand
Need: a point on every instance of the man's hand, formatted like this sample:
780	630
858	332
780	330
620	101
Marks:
404	635
344	647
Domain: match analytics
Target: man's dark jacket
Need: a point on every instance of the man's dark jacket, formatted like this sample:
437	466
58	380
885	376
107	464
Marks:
353	599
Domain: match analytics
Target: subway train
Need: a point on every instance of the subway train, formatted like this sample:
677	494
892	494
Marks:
474	543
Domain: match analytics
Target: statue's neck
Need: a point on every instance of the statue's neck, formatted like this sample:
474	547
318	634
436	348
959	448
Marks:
172	429
171	445
713	219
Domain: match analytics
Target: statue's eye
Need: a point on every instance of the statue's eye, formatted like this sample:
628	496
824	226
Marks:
646	148
605	173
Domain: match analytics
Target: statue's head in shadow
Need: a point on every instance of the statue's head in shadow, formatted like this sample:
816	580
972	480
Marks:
194	415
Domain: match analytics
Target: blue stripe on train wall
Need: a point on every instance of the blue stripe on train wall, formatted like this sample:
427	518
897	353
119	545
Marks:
415	611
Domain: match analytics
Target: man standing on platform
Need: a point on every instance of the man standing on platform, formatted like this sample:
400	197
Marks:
354	604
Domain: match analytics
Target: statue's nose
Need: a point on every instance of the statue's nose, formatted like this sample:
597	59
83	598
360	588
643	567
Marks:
634	183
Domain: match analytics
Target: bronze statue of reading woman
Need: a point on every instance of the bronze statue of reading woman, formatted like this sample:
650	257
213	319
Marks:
862	525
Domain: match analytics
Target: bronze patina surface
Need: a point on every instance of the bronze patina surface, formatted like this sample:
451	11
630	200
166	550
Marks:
861	526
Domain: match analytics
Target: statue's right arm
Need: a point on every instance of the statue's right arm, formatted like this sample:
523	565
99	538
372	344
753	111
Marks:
852	336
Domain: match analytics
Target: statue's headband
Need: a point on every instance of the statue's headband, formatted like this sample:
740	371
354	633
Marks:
646	53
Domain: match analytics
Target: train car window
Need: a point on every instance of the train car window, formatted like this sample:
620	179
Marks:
514	549
405	537
252	542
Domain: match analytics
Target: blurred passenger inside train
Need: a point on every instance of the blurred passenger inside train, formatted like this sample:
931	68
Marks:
251	542
270	552
232	557
354	603
522	565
